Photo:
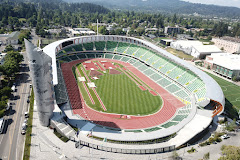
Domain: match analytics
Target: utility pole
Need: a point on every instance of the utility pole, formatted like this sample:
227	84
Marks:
97	27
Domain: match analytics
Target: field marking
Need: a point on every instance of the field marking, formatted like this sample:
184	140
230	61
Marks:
100	100
89	95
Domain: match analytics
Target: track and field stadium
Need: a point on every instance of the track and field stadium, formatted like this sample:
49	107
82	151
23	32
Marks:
127	95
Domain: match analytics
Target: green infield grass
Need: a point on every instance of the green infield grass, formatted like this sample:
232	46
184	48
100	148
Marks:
120	95
232	95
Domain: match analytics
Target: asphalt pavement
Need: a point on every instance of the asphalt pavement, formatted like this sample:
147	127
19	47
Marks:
11	140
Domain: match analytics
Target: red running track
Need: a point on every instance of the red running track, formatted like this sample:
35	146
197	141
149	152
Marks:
170	103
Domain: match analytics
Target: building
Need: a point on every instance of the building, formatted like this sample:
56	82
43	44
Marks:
201	51
195	48
11	38
228	44
225	64
40	65
81	31
172	30
166	42
185	37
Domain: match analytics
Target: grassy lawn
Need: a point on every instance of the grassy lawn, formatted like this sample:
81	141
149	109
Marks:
179	54
27	148
121	95
232	95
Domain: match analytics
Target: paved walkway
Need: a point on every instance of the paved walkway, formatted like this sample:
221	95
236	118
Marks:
45	145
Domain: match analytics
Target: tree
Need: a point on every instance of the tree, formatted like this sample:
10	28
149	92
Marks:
9	48
230	152
206	156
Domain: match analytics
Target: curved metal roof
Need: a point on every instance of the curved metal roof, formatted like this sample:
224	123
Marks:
213	90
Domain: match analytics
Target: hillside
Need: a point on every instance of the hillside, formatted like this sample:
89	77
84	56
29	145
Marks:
167	6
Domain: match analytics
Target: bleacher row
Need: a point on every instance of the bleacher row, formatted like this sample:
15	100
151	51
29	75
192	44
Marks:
60	89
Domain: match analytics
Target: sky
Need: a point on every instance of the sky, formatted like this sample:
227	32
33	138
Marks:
234	3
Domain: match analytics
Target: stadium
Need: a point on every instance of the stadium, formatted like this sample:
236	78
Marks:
127	95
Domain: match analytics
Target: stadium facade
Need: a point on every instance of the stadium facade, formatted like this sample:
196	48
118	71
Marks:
193	87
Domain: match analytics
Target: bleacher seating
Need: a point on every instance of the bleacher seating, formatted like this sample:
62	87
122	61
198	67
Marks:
167	67
65	58
176	72
111	46
169	124
73	57
185	78
122	47
148	72
125	59
88	46
140	52
137	64
143	67
60	89
164	82
100	46
173	88
109	56
146	56
68	49
117	57
91	55
152	59
78	47
179	117
81	56
132	49
156	77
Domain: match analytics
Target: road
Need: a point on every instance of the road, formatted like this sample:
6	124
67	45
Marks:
11	140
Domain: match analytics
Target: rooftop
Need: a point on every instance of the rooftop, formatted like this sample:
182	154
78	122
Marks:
227	60
206	48
232	39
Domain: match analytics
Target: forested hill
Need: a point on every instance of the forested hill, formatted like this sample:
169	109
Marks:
167	6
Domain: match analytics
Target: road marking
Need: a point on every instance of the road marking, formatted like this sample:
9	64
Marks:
11	137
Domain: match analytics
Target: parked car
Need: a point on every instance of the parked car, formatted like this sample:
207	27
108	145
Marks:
26	114
24	128
225	136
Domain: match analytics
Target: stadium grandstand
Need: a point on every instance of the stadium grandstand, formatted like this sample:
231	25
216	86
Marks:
189	98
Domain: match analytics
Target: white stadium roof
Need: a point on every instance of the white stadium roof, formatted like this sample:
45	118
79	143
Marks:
214	91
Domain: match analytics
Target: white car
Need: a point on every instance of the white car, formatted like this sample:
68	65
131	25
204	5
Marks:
225	136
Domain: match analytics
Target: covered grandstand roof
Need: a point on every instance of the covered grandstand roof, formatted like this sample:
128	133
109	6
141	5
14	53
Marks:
214	91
